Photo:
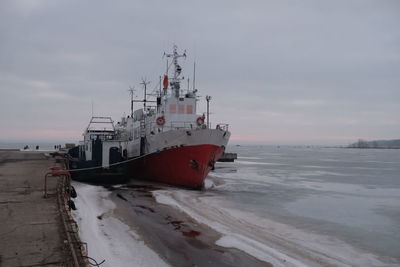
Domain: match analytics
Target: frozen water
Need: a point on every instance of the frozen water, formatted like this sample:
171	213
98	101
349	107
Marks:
310	206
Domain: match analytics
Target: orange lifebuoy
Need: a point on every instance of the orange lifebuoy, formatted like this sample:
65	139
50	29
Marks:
200	120
160	121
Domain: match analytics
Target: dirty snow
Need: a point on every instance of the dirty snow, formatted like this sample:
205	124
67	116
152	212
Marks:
107	237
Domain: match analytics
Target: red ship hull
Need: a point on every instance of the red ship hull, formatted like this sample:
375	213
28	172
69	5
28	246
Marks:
186	166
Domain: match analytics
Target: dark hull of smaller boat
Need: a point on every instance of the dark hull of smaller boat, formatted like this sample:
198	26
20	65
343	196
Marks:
90	172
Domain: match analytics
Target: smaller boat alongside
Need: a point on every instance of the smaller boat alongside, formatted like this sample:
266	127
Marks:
98	158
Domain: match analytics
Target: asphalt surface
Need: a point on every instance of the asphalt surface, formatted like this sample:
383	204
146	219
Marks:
30	226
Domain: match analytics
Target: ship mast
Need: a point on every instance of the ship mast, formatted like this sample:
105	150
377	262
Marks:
175	83
194	76
144	101
145	83
131	91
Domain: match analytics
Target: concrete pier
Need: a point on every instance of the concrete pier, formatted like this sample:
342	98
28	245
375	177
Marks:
32	231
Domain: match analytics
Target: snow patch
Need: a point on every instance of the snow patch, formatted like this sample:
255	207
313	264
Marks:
208	183
107	237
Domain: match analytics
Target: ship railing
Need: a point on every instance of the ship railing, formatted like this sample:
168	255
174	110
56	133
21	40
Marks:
179	125
102	135
101	124
182	125
174	125
223	126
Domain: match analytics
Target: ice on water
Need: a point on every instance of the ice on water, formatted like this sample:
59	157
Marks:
306	206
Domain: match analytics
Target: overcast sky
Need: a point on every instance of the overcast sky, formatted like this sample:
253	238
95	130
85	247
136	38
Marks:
288	72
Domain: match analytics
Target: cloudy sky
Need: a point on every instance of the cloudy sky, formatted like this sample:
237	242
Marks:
288	72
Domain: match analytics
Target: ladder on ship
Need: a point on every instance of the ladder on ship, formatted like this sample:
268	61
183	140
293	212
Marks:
142	136
142	128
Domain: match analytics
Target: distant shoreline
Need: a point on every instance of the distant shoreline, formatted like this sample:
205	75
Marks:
377	144
371	147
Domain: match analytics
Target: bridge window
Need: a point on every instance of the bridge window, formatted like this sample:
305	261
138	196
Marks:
172	108
181	109
189	109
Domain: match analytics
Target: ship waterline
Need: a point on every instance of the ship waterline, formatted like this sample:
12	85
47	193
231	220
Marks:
186	166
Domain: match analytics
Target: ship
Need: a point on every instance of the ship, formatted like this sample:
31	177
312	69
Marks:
166	140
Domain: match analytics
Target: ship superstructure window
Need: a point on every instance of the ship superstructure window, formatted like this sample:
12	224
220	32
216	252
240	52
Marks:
189	109
172	108
181	109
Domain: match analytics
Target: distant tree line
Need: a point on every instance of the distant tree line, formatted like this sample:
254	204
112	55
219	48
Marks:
376	144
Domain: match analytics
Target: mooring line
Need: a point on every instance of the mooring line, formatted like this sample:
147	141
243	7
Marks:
110	165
